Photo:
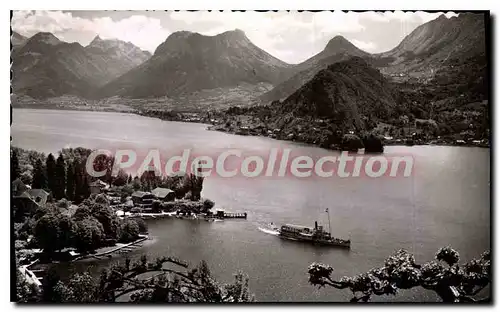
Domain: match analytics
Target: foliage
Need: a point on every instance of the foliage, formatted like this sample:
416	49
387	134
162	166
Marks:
452	282
70	181
208	204
25	292
60	178
50	166
184	206
373	144
143	226
194	184
162	280
81	288
129	231
15	170
88	235
107	217
54	231
351	143
39	176
51	290
121	178
169	285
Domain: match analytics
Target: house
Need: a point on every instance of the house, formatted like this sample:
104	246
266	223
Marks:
98	186
26	200
18	187
163	194
143	199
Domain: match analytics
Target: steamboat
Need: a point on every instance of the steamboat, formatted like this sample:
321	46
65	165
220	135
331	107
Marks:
316	235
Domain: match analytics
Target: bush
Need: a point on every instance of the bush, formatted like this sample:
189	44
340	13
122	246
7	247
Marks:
373	144
143	227
129	231
207	204
351	143
88	235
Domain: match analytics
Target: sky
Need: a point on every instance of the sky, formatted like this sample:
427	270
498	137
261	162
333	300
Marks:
290	36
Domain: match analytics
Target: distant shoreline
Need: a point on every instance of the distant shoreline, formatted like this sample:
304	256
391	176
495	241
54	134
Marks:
136	112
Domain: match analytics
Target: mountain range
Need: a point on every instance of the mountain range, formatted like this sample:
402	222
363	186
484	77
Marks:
190	63
187	62
343	92
44	66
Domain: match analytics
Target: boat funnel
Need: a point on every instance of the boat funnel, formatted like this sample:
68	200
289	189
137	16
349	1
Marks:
315	225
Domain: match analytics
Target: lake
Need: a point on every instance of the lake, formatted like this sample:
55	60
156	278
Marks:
446	201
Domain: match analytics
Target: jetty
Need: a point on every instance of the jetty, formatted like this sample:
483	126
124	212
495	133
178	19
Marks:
235	215
30	275
221	214
119	248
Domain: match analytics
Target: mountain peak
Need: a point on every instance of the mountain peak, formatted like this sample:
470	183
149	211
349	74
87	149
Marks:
17	39
46	37
236	31
339	44
180	34
236	34
96	40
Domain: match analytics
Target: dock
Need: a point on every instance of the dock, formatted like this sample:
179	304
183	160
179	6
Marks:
30	275
221	214
235	215
120	248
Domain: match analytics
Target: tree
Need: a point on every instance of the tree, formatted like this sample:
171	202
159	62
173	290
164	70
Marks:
70	182
50	164
169	284
207	205
82	188
60	175
81	288
143	227
150	180
39	176
373	144
51	290
25	292
129	231
450	281
107	217
136	184
142	281
121	178
82	212
15	170
193	184
54	231
88	235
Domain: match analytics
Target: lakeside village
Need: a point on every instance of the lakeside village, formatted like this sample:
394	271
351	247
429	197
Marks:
466	130
62	214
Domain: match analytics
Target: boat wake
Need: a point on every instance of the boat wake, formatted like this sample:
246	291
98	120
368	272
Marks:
269	231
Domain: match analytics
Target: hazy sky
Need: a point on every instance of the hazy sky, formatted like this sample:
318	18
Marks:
291	36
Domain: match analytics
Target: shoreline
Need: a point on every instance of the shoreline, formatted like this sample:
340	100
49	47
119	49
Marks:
107	252
212	128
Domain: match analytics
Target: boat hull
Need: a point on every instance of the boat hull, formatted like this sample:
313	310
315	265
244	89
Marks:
320	242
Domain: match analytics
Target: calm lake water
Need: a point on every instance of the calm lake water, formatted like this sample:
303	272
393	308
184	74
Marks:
446	201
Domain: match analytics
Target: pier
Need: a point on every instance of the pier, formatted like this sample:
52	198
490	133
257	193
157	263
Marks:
221	214
235	215
119	248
